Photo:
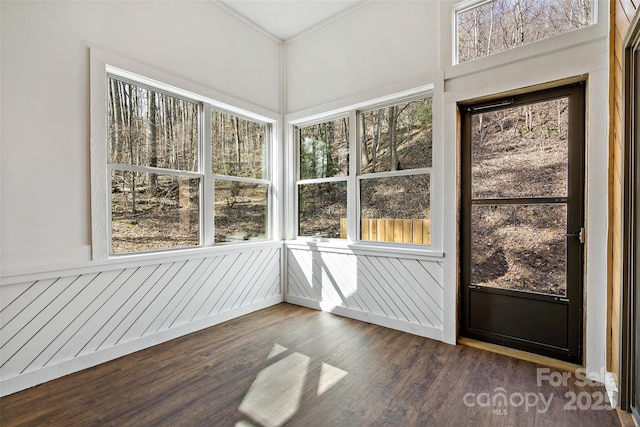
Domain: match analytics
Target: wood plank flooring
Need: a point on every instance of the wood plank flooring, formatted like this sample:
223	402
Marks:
288	365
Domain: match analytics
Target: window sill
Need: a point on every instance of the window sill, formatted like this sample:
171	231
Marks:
131	260
367	248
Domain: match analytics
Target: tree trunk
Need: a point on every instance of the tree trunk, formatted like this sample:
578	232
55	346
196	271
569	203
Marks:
493	5
376	140
364	150
131	150
393	143
236	136
153	140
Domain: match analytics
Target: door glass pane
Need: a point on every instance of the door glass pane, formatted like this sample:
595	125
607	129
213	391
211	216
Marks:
521	151
519	247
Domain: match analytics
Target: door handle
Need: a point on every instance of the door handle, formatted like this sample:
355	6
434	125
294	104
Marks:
580	235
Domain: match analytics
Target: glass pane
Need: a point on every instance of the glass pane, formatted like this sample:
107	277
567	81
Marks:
324	150
499	25
397	137
519	247
396	209
238	146
521	152
240	211
150	212
322	210
148	128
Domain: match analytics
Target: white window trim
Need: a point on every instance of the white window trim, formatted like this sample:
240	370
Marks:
353	242
597	29
103	64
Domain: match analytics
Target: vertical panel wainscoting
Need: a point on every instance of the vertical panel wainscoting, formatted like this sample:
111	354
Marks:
397	291
55	323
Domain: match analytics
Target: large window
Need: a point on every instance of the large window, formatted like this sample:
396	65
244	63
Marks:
485	27
391	177
163	194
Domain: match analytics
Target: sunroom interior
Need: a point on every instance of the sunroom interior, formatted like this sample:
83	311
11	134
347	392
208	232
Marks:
80	287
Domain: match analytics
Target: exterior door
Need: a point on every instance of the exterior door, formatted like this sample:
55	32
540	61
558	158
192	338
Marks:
522	222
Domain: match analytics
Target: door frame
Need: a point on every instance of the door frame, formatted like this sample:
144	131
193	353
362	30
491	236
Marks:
630	215
574	297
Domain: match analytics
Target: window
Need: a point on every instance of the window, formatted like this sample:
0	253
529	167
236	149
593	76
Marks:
396	153
323	153
391	178
487	27
241	185
163	194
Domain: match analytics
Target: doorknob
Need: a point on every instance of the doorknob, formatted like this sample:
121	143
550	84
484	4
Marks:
580	235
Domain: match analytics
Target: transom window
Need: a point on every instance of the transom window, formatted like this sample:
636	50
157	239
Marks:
163	193
485	27
392	180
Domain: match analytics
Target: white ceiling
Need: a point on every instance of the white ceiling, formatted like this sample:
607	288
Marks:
285	19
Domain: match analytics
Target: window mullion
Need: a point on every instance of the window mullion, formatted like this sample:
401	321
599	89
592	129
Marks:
207	195
353	218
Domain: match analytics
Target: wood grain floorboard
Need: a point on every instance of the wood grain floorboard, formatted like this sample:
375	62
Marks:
288	365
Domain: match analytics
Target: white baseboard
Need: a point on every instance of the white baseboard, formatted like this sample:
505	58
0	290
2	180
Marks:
612	388
387	322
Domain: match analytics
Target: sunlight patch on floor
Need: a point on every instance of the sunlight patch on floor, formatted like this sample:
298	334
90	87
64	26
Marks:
329	376
275	395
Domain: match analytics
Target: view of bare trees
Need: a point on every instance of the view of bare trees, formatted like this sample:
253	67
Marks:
237	146
395	140
500	25
156	178
397	137
323	154
520	152
150	132
238	159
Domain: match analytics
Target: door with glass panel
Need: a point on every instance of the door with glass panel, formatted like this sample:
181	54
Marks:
522	223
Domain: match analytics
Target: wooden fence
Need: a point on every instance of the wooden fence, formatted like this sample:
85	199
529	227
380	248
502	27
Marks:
392	230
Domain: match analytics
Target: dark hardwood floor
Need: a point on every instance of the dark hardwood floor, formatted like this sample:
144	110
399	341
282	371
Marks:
288	365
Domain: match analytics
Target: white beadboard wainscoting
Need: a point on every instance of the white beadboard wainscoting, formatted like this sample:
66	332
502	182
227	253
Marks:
399	291
56	322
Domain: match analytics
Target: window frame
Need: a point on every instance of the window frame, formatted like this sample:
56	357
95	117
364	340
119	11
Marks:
466	5
268	172
354	177
298	182
103	66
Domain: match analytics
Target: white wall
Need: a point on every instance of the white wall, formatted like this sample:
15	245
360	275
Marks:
381	47
45	181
